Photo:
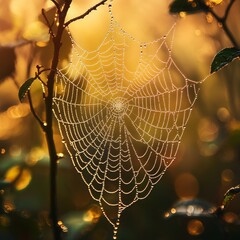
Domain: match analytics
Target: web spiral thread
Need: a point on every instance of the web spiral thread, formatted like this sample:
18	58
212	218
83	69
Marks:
122	110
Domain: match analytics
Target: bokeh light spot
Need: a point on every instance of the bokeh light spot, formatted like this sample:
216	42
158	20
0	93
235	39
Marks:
35	155
186	186
62	226
4	221
3	151
209	17
227	175
207	130
182	14
223	114
195	227
8	206
15	151
217	1
18	111
20	177
198	32
93	214
173	211
37	32
230	217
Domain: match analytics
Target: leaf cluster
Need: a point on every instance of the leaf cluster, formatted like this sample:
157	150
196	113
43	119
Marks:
187	6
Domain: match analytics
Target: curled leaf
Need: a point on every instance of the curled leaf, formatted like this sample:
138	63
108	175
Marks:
25	88
230	194
223	58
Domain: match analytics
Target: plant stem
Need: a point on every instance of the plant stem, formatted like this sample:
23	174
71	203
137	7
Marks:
49	118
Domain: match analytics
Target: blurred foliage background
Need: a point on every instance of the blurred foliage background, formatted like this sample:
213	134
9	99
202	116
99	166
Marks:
208	161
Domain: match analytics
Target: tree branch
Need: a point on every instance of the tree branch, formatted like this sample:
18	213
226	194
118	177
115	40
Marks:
222	20
49	119
228	9
48	24
56	5
29	94
86	13
41	123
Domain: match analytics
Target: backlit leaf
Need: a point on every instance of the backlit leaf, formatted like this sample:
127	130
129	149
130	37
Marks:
230	194
25	88
223	58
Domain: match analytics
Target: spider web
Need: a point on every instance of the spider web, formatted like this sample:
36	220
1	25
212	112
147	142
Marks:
122	110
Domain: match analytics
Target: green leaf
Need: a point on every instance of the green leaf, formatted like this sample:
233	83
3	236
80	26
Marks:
25	88
230	194
187	6
223	58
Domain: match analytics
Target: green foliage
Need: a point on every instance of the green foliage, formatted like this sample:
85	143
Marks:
25	88
223	58
187	6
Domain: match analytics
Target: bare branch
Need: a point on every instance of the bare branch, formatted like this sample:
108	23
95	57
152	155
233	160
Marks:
86	13
41	123
224	25
228	9
29	94
56	5
48	24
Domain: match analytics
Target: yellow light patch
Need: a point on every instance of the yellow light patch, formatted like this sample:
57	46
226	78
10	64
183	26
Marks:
215	1
92	215
37	32
22	177
195	227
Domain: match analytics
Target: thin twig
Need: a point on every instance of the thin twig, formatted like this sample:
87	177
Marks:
86	13
39	72
48	24
41	123
29	94
43	70
42	82
222	21
228	9
225	28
